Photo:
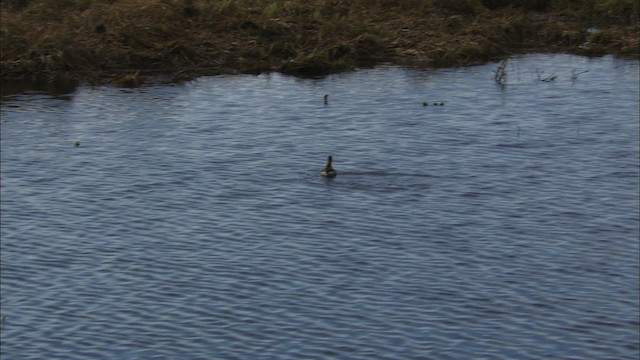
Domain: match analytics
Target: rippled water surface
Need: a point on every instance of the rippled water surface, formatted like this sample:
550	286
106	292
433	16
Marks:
192	223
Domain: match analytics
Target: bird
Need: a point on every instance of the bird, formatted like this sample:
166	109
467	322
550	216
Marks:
326	99
328	170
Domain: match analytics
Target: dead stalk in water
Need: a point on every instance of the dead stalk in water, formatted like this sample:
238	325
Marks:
500	74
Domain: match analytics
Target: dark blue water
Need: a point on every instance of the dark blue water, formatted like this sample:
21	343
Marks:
192	223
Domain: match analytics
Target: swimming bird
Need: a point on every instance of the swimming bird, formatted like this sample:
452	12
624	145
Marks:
328	170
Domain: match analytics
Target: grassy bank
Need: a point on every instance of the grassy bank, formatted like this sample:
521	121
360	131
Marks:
122	40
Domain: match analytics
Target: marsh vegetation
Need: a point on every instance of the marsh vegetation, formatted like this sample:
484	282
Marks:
123	41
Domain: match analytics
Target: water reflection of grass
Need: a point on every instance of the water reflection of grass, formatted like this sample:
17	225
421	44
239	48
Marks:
100	40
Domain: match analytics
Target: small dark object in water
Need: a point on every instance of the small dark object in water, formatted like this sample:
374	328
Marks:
441	104
100	29
328	170
326	99
76	143
424	103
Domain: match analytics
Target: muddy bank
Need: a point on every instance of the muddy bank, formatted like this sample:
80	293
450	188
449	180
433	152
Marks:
125	41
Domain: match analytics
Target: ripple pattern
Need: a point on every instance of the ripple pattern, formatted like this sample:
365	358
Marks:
192	222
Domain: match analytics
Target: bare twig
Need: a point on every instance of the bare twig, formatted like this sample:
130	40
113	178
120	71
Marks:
575	73
549	78
500	74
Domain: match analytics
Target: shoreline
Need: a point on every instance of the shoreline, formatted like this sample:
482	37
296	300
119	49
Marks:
127	43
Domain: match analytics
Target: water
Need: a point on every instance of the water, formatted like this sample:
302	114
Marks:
192	223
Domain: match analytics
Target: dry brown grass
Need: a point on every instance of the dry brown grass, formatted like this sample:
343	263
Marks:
124	40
